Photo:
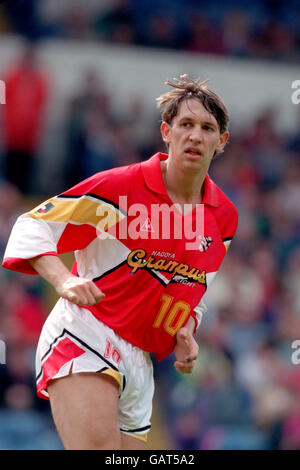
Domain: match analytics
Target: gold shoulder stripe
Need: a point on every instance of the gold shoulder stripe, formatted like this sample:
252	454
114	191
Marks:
79	211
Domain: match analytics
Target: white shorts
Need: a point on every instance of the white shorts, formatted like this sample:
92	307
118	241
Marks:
73	339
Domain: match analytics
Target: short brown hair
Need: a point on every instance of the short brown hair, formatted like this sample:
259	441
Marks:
186	88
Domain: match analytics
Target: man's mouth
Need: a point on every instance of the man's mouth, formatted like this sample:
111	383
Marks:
193	151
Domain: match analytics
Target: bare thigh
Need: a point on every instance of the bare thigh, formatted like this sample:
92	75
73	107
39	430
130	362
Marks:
85	411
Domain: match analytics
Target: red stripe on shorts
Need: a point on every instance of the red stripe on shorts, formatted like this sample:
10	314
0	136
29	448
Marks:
63	352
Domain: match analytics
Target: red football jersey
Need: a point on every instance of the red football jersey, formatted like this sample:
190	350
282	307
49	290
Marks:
153	263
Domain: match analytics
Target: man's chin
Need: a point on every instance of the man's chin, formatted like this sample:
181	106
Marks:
193	162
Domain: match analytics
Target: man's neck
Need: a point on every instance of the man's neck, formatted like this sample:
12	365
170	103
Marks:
183	187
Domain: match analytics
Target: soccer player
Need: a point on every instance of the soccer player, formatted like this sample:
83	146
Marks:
138	278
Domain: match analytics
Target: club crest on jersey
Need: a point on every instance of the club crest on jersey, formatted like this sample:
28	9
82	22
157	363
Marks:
205	243
45	208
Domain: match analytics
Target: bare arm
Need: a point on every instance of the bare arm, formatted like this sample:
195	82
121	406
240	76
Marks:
186	348
78	290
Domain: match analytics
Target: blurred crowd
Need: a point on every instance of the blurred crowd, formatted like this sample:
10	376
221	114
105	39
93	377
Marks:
244	393
266	29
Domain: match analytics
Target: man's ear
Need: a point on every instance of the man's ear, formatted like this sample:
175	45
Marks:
165	129
223	141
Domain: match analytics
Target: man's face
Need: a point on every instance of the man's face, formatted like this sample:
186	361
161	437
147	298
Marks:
193	136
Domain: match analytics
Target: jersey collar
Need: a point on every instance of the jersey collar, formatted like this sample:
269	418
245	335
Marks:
153	178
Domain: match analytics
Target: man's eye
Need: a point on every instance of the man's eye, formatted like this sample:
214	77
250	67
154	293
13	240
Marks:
186	124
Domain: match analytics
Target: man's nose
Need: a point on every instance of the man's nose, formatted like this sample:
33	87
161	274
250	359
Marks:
195	135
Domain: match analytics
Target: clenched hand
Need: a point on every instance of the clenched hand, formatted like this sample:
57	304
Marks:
186	351
80	291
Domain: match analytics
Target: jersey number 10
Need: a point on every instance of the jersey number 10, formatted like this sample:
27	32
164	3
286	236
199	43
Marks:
171	314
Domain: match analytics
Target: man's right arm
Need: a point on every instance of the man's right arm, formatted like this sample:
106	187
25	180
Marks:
78	290
65	223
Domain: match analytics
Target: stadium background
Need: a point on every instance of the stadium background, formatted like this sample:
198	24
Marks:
98	67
